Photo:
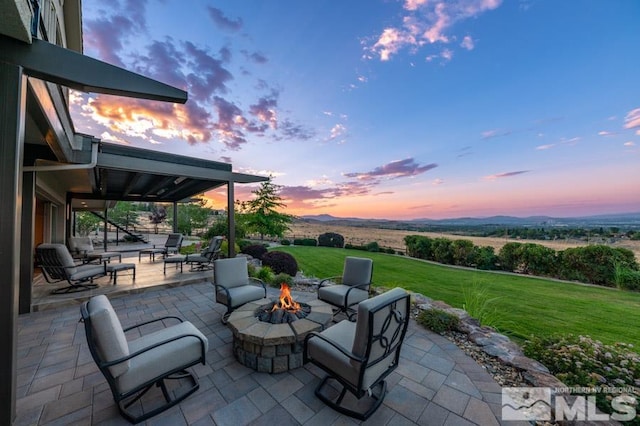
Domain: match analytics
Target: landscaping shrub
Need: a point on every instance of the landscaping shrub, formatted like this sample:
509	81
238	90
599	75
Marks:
285	242
355	247
626	278
438	320
244	244
373	247
389	250
463	252
485	258
252	270
509	257
255	250
419	246
594	264
224	248
305	242
443	251
282	278
580	361
331	239
538	260
280	261
265	274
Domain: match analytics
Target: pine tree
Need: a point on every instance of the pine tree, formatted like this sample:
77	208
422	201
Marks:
261	213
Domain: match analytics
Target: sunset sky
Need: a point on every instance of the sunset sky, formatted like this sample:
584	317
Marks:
393	109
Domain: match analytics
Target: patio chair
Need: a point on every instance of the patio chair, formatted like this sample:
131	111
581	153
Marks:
233	286
132	368
358	356
204	260
349	289
172	245
57	265
82	248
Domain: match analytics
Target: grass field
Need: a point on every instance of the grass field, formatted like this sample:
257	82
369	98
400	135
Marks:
523	305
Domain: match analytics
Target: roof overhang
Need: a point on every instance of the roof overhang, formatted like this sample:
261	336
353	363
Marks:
124	173
56	64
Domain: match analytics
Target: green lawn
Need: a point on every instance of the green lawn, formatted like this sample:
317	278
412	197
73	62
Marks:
526	305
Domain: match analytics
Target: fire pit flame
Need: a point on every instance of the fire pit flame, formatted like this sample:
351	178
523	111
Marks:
286	302
284	310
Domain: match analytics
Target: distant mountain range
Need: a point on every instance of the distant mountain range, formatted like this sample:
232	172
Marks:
623	219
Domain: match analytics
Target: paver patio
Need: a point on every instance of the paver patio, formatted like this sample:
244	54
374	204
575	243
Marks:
58	382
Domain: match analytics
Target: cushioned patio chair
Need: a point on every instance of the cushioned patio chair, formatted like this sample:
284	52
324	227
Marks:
172	245
358	356
349	289
58	265
82	248
132	368
233	286
204	260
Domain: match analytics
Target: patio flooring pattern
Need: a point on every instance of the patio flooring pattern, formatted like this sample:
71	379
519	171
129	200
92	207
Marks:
58	383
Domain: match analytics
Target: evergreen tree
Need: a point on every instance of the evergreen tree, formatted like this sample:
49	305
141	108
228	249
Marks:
261	214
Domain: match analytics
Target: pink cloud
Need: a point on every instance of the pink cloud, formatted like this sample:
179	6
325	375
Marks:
632	119
427	22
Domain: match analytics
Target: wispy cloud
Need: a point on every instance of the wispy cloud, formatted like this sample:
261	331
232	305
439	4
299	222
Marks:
629	144
437	182
632	120
505	175
606	133
393	170
545	147
495	133
426	23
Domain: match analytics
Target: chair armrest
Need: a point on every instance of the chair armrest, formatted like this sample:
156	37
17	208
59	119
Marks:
152	321
339	347
148	348
257	281
336	280
353	287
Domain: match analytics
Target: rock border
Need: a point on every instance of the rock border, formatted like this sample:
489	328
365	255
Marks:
494	344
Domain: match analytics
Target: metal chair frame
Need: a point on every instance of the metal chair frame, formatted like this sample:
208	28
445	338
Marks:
125	400
54	271
377	390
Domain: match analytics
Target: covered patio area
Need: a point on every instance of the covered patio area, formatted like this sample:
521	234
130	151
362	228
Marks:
58	382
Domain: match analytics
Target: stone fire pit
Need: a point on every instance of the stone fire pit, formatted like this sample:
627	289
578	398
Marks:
274	348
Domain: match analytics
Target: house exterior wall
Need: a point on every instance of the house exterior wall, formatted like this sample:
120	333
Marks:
28	206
